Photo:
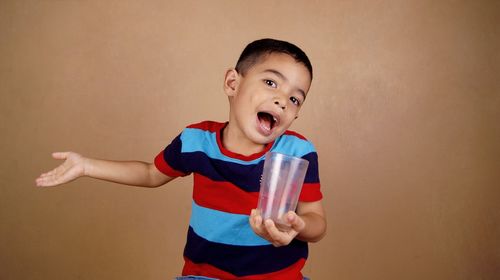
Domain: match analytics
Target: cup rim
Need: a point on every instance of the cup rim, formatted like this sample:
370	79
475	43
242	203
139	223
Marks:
286	156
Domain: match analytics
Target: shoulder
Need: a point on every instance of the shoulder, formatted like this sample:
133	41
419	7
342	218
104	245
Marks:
294	143
210	126
295	134
201	134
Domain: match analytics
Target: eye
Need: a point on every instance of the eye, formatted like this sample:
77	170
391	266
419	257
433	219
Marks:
295	101
271	83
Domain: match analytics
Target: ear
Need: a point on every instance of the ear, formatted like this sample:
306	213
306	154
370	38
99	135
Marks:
231	80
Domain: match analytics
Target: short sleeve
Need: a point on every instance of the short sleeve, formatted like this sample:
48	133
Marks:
170	161
311	189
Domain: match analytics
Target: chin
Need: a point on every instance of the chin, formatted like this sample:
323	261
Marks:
264	140
261	139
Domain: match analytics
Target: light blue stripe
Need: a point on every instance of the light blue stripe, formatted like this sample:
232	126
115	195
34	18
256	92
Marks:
221	227
198	140
293	146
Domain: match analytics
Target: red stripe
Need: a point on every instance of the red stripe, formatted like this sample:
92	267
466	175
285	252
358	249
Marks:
310	192
223	196
208	126
290	273
163	167
291	132
227	197
251	157
230	154
217	128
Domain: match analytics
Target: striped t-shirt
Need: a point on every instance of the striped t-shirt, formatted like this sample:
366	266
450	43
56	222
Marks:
220	242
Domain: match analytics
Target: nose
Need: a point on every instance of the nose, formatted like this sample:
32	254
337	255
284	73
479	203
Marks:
280	100
280	105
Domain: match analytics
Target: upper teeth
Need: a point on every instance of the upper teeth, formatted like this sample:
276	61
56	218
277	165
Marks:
275	119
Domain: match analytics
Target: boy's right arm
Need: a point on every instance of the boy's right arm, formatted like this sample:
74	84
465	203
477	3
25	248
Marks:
134	173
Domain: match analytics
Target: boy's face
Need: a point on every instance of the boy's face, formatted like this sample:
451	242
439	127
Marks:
267	99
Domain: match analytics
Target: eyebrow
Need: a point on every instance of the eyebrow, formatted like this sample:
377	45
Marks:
281	76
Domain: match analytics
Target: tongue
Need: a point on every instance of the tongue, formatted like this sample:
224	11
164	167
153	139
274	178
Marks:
265	120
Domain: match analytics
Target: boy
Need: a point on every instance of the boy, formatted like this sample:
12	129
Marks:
227	238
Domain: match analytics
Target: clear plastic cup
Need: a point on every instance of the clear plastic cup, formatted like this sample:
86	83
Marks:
280	186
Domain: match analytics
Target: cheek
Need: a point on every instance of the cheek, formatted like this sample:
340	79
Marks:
288	120
293	116
243	107
294	112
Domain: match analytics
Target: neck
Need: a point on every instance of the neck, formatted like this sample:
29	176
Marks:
236	142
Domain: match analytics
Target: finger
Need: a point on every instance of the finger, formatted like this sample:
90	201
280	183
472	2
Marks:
44	176
48	173
52	180
274	233
257	212
295	221
45	179
261	230
251	218
51	172
38	182
55	177
256	221
58	170
44	182
253	213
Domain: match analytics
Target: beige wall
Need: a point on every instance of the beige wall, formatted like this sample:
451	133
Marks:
404	111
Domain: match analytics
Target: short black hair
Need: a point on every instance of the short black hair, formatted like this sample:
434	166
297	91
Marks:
257	49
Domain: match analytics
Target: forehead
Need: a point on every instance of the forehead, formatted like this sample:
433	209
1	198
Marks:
276	58
285	64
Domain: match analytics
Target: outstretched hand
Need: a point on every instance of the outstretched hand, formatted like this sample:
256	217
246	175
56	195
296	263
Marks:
72	168
277	235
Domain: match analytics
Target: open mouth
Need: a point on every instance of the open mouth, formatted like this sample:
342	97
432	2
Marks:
267	121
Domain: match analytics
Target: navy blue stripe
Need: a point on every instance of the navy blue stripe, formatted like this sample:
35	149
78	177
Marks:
247	176
244	260
312	175
172	158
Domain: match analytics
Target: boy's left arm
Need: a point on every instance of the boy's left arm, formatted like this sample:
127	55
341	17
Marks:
308	224
313	215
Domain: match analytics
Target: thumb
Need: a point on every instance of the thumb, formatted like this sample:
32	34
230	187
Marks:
60	155
296	222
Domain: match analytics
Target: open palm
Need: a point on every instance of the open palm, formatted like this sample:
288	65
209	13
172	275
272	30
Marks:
69	170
